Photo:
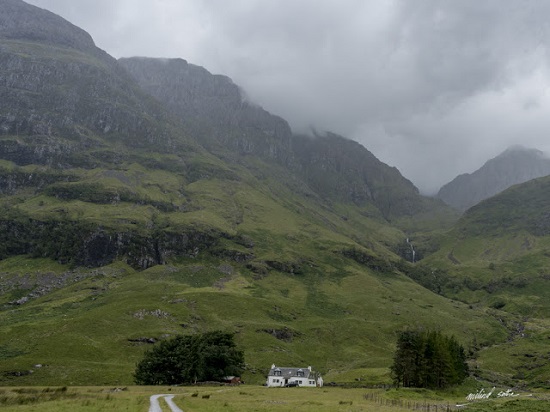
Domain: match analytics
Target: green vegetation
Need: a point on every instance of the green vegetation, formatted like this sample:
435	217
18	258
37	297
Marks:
211	356
95	324
428	359
254	398
127	220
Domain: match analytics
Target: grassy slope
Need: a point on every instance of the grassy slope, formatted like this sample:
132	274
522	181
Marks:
343	316
497	257
341	326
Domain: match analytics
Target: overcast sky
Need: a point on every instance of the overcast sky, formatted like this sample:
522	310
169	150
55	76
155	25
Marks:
433	87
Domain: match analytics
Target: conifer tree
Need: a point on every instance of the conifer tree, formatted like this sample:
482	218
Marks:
428	359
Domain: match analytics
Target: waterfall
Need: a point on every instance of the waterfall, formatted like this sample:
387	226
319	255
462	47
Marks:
412	249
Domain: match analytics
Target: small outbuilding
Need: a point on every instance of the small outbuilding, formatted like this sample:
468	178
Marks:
232	380
280	376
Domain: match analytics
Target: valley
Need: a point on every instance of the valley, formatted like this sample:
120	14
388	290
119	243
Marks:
144	198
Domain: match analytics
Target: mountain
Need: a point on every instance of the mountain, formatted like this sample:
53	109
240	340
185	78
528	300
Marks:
62	96
145	198
496	256
520	208
515	165
213	107
335	168
19	21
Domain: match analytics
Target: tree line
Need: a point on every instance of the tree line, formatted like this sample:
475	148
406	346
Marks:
183	359
428	359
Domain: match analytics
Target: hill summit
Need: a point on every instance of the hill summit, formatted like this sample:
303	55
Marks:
22	21
515	165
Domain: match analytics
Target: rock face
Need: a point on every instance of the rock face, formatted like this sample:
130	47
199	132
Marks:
22	21
61	95
213	107
87	245
341	169
513	166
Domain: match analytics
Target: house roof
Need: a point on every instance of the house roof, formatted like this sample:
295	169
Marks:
289	372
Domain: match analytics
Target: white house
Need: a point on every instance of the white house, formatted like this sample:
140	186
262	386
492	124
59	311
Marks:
282	376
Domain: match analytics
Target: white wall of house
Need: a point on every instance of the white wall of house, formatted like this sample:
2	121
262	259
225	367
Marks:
275	381
303	381
279	377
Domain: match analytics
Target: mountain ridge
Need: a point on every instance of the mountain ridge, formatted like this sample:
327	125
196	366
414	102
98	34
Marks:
334	166
515	165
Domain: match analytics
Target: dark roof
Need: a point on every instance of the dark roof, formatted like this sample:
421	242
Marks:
289	372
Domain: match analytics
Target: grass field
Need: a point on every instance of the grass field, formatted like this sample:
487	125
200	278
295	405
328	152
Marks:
342	324
256	398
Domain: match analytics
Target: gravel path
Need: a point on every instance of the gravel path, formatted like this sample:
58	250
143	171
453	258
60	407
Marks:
155	406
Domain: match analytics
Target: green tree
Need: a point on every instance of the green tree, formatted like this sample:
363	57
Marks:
190	358
428	359
406	367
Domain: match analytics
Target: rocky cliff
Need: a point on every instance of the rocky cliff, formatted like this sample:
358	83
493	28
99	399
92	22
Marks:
341	169
213	108
22	21
62	96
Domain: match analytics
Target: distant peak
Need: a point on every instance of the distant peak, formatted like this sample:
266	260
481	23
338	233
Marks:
515	165
22	21
517	148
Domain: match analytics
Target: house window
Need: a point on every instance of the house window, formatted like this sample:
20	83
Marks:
312	382
300	372
299	382
277	372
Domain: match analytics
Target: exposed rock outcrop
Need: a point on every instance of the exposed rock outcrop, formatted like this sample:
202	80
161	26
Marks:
18	22
213	106
83	244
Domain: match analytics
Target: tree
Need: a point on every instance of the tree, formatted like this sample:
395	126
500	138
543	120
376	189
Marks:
406	367
428	359
190	358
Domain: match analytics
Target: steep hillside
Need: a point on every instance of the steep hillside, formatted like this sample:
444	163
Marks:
124	222
335	168
521	208
502	242
22	21
497	256
66	103
515	165
213	107
342	170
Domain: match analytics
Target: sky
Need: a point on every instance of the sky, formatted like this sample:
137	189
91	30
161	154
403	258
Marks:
432	87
